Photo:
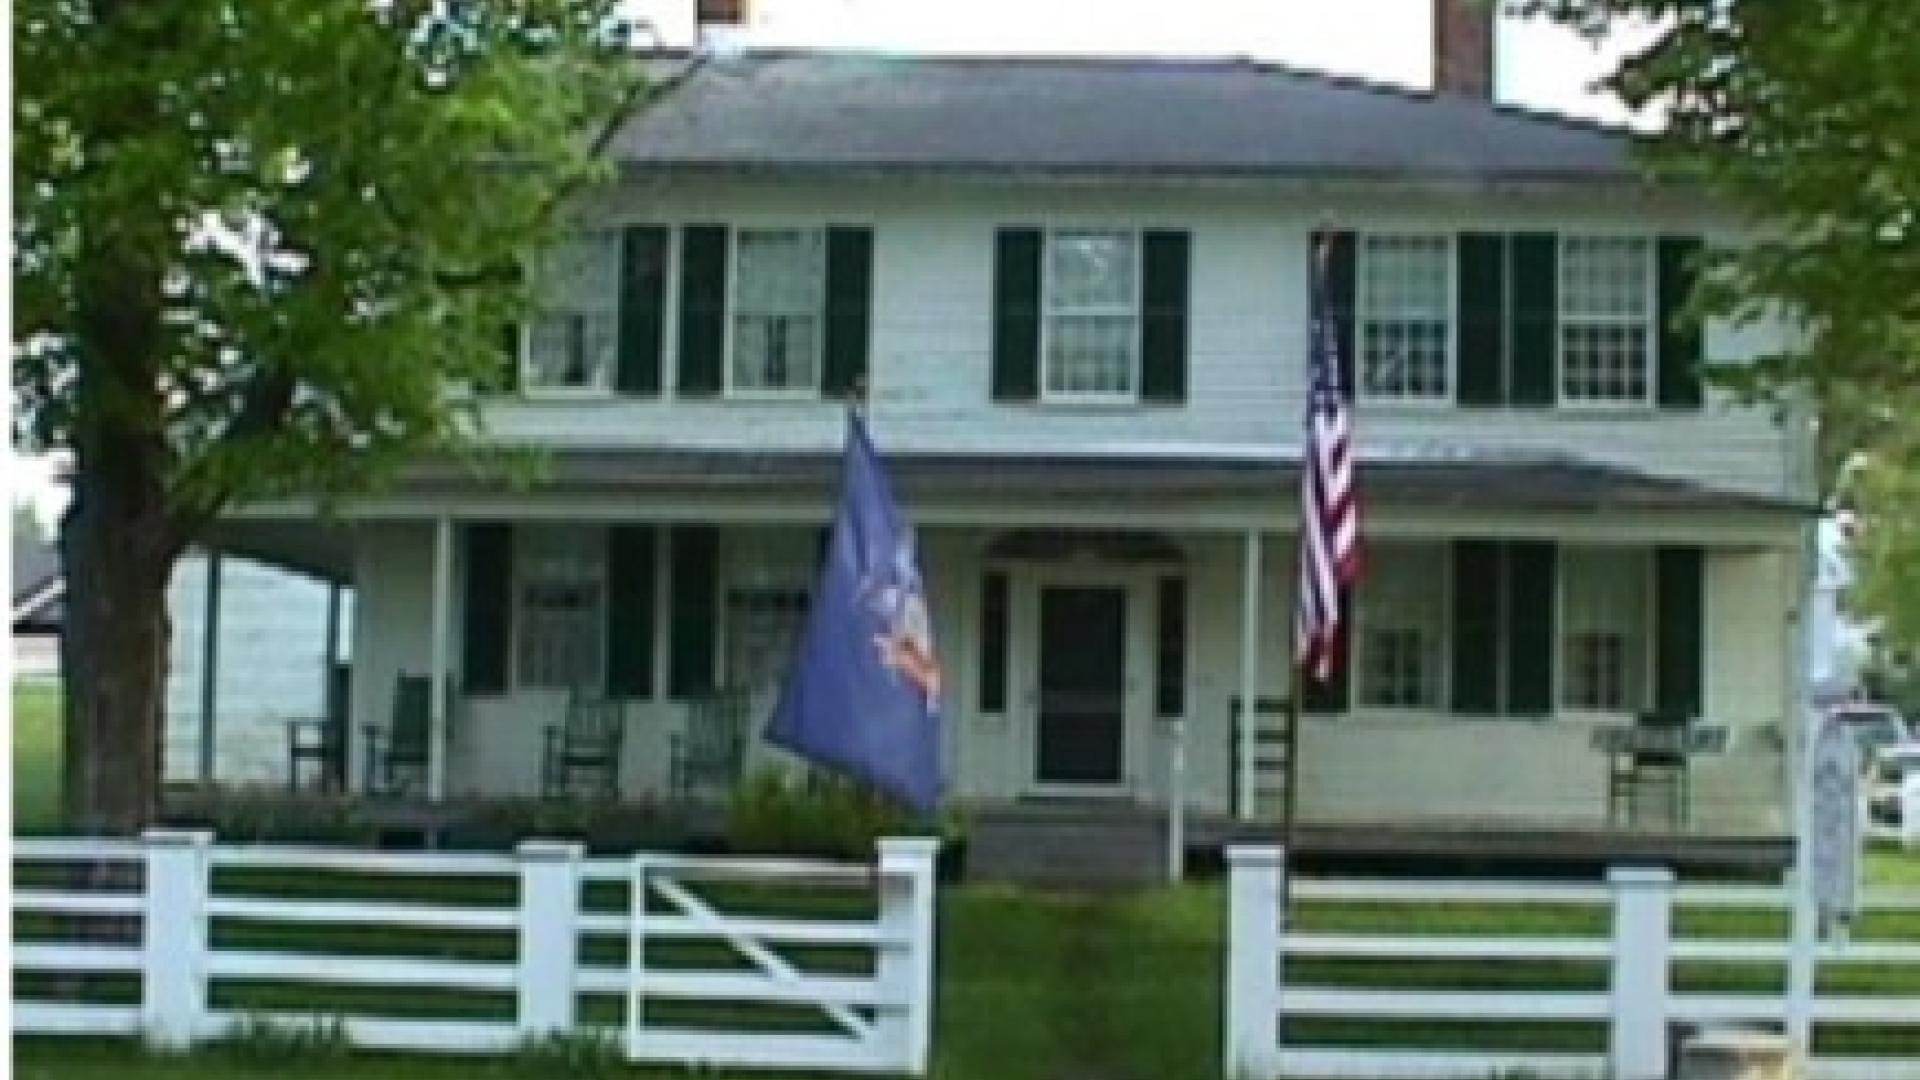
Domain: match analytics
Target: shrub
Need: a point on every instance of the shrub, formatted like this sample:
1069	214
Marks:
774	812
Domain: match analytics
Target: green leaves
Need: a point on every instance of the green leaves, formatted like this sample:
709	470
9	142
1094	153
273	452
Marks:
376	173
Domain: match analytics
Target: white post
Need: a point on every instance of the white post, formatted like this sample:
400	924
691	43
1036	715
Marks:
549	936
1249	674
173	988
437	660
1177	801
1642	926
904	968
1255	881
1910	810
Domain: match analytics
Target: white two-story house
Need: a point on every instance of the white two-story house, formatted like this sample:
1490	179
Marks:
1075	293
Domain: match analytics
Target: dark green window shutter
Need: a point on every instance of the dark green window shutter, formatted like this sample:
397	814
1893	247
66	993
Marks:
1166	259
1680	343
1342	272
487	637
1534	368
1477	603
1170	649
693	609
1532	590
643	302
1016	315
1331	696
993	643
630	610
1679	629
1481	318
703	308
849	309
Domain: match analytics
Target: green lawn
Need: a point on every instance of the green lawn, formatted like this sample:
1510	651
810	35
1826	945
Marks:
1031	986
36	757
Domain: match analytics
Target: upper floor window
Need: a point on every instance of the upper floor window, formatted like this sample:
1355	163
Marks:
1604	628
779	295
1606	319
560	586
1092	331
573	336
1402	627
1405	300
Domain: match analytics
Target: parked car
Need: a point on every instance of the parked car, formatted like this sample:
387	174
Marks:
1887	777
1874	727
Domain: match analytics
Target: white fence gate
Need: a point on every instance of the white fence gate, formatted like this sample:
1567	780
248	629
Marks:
484	952
1636	995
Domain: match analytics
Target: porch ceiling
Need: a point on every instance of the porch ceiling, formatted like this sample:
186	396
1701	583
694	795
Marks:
1541	482
310	547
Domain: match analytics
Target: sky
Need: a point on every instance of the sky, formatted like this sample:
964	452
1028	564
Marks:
1536	65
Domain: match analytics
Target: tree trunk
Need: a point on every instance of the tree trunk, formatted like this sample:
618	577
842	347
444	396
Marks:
113	659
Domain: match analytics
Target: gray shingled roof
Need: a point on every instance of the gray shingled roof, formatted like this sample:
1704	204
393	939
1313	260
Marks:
1542	482
852	112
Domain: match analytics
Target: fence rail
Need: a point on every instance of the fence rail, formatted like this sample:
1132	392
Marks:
483	953
1604	958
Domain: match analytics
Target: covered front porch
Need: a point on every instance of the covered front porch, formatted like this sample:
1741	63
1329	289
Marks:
1098	622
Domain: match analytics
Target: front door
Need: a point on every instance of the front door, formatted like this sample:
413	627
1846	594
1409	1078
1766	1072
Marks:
1081	722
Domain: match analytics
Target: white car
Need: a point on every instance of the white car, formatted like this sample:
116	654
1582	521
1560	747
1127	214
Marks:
1887	778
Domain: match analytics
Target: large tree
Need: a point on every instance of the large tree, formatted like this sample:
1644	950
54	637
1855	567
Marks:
1806	114
266	247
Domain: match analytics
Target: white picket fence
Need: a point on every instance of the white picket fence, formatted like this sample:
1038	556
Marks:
1636	1006
871	1012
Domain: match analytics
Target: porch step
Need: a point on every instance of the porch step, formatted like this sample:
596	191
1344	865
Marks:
1068	845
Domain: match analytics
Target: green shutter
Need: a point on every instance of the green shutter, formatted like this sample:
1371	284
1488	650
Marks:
993	643
1481	318
643	300
849	308
1532	589
1476	626
1680	340
693	609
630	610
1534	368
487	636
1331	696
703	308
1163	330
1679	630
1170	649
1342	273
1016	315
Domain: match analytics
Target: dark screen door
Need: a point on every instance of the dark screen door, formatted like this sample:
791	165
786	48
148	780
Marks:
1082	684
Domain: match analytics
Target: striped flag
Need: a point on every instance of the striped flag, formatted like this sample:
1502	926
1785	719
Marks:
1329	509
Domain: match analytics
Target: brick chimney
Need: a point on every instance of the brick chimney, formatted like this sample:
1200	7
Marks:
1463	47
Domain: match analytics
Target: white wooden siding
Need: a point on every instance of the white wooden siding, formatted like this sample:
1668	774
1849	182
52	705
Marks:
932	322
271	666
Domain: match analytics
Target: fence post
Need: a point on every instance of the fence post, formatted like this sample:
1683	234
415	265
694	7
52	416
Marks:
1642	928
549	936
173	984
904	967
1255	876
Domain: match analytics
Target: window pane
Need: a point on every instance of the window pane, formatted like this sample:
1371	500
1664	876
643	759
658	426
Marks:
572	338
1406	304
1093	327
1093	270
1604	629
559	623
1605	318
1402	626
1090	354
779	291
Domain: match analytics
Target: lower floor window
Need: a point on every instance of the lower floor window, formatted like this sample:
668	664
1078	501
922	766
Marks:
1402	616
1604	634
763	630
560	590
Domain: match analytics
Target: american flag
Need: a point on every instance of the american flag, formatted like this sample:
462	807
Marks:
1329	513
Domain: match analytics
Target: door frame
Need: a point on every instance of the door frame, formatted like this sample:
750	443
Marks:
1136	583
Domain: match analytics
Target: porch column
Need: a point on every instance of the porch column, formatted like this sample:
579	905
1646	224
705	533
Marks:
1249	672
210	666
437	658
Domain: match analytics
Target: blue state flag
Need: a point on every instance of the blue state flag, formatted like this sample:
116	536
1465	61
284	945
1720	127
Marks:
863	696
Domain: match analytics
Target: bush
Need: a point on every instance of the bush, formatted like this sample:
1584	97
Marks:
775	813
